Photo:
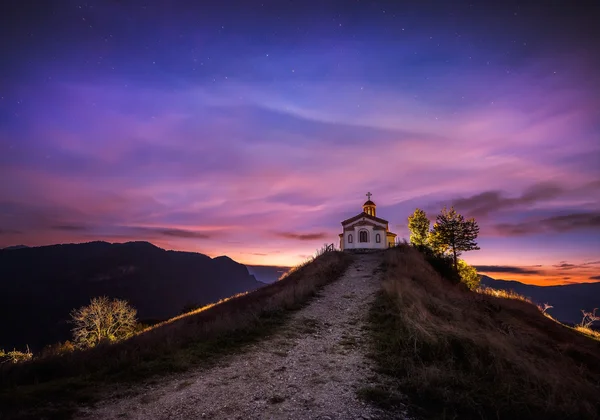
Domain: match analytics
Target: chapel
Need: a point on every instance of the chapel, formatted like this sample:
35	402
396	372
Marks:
366	230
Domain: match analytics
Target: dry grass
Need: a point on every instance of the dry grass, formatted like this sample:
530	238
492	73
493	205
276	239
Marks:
510	294
198	338
458	354
589	332
15	356
189	314
506	294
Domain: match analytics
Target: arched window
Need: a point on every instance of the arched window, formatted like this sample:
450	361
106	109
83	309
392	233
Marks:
350	238
378	238
363	236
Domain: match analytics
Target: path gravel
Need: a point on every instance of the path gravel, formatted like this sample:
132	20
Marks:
309	370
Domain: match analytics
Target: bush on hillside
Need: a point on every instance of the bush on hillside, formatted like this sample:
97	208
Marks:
15	356
58	349
589	318
468	275
103	320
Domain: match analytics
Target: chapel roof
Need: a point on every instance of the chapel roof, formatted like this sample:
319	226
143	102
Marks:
365	215
369	203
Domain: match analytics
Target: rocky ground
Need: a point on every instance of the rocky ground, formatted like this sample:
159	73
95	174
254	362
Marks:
311	369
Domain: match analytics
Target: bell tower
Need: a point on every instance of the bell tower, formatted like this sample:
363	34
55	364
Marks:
369	206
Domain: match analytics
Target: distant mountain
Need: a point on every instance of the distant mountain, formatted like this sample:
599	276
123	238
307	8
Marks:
15	247
41	285
568	300
266	273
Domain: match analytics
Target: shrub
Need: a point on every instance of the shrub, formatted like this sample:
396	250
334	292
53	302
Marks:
468	275
58	349
103	320
589	318
15	356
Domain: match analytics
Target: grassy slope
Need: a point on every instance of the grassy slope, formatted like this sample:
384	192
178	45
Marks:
459	354
55	386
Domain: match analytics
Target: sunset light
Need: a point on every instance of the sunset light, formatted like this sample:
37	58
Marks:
300	209
250	148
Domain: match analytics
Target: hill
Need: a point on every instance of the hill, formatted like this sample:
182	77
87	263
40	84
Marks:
453	353
567	300
57	385
41	285
390	332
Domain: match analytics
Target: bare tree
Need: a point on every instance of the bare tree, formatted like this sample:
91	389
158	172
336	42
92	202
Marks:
545	307
103	319
589	318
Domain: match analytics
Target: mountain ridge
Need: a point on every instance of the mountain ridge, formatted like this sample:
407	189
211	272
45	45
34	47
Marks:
41	285
567	299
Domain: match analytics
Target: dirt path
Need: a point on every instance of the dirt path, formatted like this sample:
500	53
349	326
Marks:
310	370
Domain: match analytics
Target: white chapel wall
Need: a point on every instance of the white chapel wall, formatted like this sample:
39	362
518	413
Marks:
371	244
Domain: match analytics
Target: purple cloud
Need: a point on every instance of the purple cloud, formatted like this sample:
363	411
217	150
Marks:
505	269
559	223
302	236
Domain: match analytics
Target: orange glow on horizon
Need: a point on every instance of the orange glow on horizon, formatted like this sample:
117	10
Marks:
549	277
289	254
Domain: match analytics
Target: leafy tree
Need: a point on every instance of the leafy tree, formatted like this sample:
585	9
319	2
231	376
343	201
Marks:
468	275
452	233
436	244
103	319
418	223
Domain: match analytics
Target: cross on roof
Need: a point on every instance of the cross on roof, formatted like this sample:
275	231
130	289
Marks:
369	195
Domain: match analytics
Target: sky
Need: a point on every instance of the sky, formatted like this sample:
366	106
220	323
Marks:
253	128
